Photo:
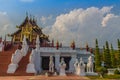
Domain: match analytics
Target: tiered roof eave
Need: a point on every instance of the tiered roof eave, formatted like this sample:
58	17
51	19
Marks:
33	23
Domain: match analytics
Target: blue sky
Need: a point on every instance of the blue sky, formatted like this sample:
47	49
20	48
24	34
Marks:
46	7
52	13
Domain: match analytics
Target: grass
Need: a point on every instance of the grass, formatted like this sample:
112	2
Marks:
106	77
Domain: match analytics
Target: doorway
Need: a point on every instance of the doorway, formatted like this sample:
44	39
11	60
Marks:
45	62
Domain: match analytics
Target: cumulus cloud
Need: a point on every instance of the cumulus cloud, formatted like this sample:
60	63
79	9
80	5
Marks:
5	24
107	18
106	9
84	25
44	19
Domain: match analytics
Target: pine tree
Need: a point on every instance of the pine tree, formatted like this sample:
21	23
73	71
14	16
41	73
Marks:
97	56
104	54
118	45
108	56
112	56
118	57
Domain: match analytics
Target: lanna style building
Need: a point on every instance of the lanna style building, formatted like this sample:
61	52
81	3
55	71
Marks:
30	29
26	59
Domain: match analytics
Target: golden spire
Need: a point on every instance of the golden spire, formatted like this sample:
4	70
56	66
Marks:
57	44
87	47
73	44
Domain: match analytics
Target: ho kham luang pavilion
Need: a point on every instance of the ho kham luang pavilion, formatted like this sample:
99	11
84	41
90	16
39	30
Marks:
31	52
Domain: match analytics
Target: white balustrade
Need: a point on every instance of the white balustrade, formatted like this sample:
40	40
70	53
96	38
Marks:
17	56
50	49
31	66
15	59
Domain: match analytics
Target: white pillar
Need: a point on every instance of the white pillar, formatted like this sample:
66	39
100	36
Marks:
57	61
71	65
38	62
40	58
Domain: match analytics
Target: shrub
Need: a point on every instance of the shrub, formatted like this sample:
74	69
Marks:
116	71
101	71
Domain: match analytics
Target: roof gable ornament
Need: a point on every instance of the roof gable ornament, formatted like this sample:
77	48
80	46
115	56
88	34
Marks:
27	18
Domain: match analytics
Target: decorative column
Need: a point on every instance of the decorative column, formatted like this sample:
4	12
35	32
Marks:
14	38
87	47
52	43
57	61
37	43
73	45
38	62
57	45
72	61
38	56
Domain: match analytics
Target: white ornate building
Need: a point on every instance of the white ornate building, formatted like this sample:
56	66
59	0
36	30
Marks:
40	58
29	36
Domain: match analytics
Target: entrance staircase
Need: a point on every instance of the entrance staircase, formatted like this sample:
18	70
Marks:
21	71
5	60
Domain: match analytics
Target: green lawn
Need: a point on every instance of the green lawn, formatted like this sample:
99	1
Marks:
106	77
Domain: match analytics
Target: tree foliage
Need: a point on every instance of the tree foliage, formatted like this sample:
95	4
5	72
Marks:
118	57
97	56
103	54
108	56
113	64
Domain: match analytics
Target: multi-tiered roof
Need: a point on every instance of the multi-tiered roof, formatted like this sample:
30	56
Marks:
30	22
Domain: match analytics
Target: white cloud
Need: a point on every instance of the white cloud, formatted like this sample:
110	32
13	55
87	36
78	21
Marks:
44	19
106	9
84	25
106	19
5	27
5	24
27	0
3	13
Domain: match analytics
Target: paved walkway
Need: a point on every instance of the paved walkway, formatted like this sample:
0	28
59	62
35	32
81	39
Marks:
43	78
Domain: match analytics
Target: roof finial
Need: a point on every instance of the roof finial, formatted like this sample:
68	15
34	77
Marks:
30	17
33	18
87	47
27	18
26	13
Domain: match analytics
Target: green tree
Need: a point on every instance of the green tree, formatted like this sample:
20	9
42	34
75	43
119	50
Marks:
118	56
112	56
103	54
97	56
118	45
108	56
